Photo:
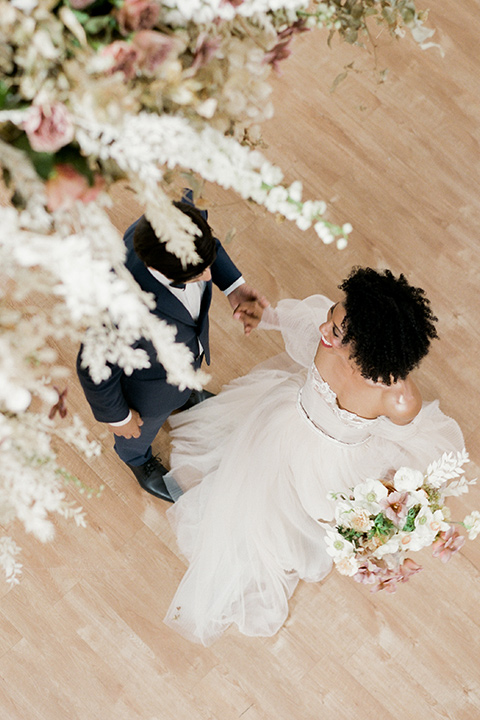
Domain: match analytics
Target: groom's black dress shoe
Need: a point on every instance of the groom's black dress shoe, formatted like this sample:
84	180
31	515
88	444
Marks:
196	397
150	477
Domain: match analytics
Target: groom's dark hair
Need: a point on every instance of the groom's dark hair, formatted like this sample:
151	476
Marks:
152	250
388	322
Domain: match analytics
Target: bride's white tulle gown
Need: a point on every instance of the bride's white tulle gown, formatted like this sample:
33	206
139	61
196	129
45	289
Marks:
257	463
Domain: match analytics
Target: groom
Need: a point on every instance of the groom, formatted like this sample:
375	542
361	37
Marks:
135	406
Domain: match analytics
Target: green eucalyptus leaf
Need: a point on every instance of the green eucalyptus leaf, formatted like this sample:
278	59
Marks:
43	162
95	25
70	155
340	78
82	17
4	90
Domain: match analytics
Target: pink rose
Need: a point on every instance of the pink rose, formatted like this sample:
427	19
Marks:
137	15
48	127
66	186
124	58
153	48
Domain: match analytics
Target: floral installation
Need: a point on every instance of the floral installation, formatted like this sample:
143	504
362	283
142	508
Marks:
143	91
381	522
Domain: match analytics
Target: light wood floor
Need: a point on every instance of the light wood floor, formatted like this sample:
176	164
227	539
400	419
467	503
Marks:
82	637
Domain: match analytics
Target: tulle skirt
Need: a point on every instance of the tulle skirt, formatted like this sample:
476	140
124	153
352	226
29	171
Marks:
256	477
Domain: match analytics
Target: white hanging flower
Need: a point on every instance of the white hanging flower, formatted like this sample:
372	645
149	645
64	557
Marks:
25	6
8	553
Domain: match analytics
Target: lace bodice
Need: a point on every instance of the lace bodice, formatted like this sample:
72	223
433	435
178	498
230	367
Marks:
317	403
298	321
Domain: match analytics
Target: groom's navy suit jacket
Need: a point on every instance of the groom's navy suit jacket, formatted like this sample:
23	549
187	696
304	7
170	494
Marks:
147	390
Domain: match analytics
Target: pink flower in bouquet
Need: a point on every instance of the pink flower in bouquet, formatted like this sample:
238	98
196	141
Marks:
408	569
368	573
384	578
153	49
48	127
387	581
394	507
447	544
137	15
66	186
124	57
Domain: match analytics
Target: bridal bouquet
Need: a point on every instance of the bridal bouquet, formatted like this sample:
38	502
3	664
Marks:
382	521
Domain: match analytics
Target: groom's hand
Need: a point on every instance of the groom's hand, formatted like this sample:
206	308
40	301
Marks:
249	313
131	429
248	306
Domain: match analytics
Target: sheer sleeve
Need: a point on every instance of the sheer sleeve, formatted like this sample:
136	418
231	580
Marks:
298	321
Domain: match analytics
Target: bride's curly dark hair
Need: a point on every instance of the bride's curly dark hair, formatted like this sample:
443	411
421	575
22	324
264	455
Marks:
388	322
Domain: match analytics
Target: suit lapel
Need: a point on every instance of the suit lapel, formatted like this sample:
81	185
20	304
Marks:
167	304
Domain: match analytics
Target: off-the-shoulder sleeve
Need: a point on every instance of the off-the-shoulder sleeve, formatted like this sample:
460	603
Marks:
298	321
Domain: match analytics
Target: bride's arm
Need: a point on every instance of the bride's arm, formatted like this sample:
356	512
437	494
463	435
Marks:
298	321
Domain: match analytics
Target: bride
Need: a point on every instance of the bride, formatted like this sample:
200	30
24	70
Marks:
257	462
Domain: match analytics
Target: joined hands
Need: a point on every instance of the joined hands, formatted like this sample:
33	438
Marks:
248	306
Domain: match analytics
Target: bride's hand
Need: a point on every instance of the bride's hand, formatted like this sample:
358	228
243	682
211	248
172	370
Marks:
249	313
248	305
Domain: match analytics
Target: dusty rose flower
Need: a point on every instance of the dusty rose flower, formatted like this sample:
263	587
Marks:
390	577
124	58
408	569
204	51
137	15
281	51
387	581
81	4
394	507
368	573
447	544
60	406
282	48
48	127
384	578
66	186
152	48
297	27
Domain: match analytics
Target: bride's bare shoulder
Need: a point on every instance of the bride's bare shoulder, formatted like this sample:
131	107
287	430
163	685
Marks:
402	402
